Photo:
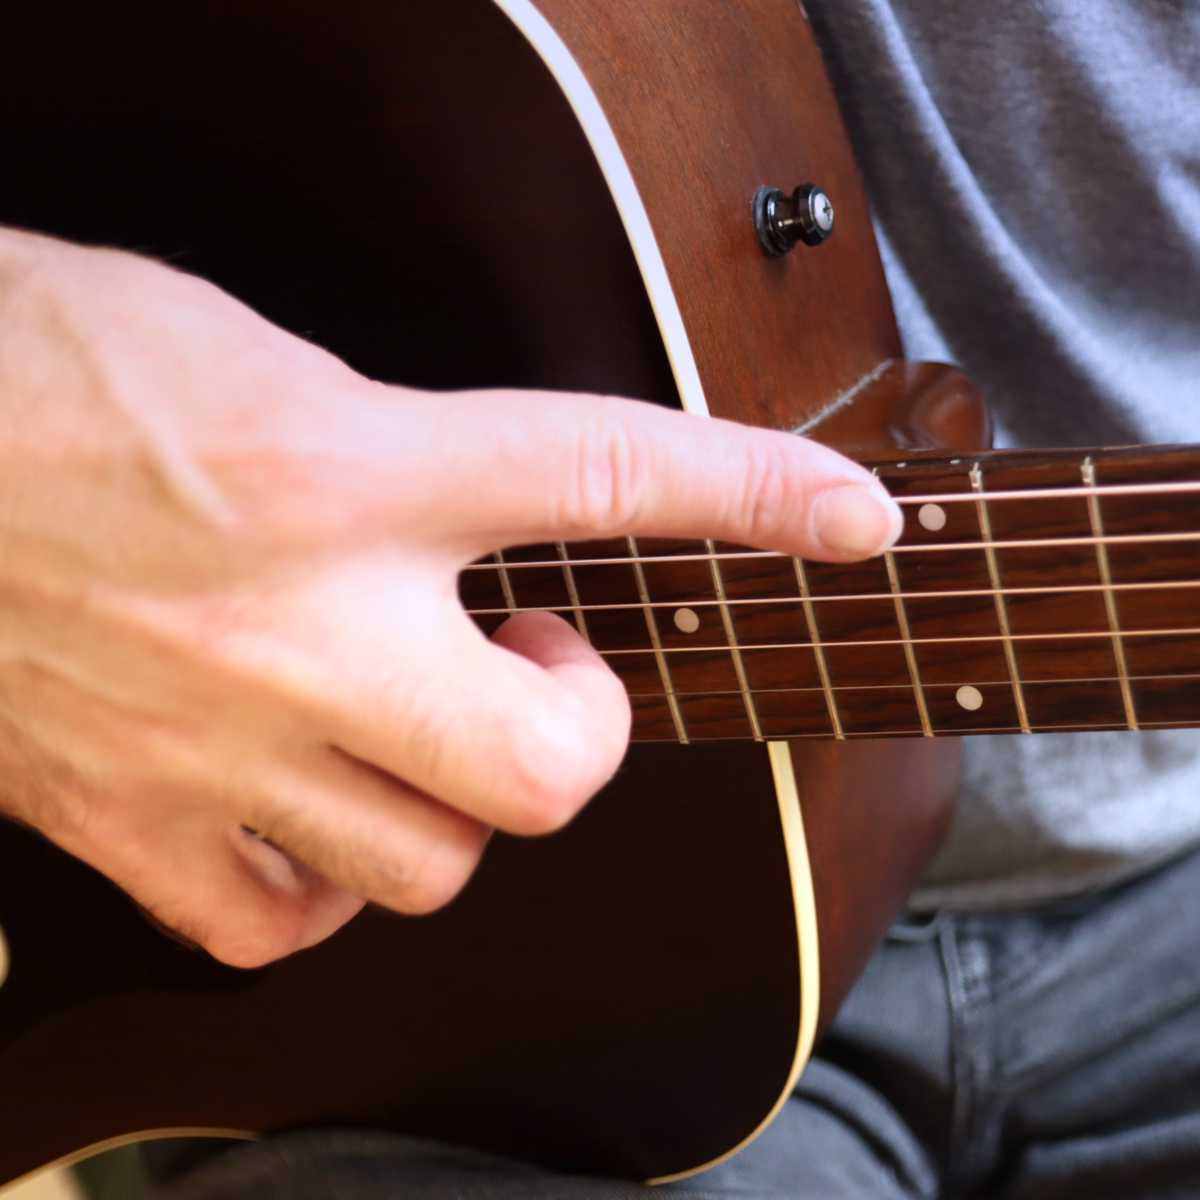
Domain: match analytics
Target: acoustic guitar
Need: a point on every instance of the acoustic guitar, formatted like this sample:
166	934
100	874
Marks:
569	194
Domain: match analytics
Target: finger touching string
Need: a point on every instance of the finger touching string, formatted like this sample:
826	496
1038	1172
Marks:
517	732
564	466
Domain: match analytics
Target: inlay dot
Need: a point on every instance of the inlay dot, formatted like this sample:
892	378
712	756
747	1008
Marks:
686	620
969	697
932	517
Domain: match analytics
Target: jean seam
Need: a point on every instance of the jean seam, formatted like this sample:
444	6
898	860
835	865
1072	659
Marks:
968	980
960	1068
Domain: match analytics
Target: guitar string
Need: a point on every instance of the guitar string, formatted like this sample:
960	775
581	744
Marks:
833	643
688	602
949	731
1136	539
1065	492
901	684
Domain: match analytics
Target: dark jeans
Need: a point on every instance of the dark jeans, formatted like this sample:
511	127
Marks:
1043	1055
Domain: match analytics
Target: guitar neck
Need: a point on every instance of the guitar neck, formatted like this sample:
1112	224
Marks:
1030	592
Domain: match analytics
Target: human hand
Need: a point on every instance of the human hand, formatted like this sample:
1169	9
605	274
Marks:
229	573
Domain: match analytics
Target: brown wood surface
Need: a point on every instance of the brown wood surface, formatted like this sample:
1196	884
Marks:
620	998
776	340
908	406
403	183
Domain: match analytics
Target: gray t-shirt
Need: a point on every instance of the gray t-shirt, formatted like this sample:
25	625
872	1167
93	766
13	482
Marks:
1035	171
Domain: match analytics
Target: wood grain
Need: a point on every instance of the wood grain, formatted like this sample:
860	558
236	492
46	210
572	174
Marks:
406	185
777	340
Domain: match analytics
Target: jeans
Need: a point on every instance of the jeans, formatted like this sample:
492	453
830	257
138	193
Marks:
1051	1054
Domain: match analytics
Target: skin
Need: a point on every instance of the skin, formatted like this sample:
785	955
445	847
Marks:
228	566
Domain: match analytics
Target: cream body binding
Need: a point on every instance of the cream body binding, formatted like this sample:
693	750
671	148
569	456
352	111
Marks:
586	106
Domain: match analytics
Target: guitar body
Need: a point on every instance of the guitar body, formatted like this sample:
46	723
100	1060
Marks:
464	195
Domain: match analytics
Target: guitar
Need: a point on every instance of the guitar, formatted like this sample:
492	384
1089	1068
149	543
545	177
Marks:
561	194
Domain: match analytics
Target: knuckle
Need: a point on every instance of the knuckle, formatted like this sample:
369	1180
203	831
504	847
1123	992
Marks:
427	891
246	953
608	485
429	883
552	776
250	943
428	730
239	940
544	809
767	496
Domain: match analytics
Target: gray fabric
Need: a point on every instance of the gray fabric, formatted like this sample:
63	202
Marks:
1042	1056
1035	168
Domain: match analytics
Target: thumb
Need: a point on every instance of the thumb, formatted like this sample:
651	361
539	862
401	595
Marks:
568	467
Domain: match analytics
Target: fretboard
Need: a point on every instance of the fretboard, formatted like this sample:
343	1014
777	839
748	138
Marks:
1030	592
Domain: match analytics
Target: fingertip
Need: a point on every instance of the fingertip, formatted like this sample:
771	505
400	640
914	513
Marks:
591	717
854	521
542	637
555	645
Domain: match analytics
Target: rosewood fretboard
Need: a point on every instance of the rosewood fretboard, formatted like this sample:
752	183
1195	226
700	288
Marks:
1059	591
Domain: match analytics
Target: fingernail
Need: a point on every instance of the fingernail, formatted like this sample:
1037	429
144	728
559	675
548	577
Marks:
856	520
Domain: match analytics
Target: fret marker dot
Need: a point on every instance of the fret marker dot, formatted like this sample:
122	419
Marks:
969	697
932	517
686	620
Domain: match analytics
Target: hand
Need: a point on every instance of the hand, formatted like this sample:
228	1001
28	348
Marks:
229	576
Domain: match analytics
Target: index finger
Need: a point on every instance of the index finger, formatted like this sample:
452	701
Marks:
568	467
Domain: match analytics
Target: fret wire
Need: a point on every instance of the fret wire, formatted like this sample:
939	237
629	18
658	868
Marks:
572	592
1149	585
910	654
993	566
656	643
1088	471
505	583
1138	539
739	668
1074	635
810	617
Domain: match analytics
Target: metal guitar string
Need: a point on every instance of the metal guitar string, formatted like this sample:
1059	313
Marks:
969	730
1149	585
1153	585
929	687
829	643
1066	492
1055	493
1138	539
